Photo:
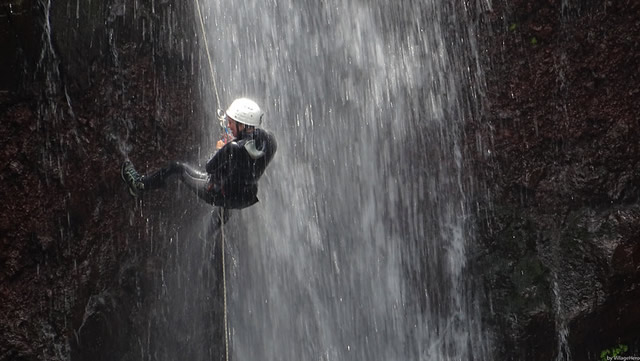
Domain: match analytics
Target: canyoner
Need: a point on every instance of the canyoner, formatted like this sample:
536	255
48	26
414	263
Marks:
230	179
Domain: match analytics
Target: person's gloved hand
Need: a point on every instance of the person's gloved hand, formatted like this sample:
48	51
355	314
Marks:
226	138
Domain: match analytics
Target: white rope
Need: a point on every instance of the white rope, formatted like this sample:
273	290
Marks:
224	288
206	47
224	278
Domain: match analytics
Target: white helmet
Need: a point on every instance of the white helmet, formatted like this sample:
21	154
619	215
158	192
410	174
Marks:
245	111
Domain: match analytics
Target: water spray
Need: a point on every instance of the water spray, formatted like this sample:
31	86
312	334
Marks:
221	215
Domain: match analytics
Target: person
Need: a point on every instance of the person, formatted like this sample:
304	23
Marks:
230	180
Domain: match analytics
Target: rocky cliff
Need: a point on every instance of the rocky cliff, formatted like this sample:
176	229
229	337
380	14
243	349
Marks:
82	87
558	152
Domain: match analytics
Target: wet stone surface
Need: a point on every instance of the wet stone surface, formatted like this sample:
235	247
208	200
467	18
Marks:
561	128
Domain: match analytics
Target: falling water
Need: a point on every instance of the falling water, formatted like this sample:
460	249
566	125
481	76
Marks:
357	249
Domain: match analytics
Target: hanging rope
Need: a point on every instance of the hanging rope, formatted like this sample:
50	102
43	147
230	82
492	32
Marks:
206	47
224	287
221	214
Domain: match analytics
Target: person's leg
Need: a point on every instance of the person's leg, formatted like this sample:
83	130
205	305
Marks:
195	180
156	179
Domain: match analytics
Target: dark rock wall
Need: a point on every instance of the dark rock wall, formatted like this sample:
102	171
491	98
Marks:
82	84
557	155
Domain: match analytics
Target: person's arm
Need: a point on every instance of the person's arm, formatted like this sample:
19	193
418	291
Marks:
221	160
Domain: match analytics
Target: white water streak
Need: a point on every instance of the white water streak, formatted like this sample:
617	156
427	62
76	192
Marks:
357	249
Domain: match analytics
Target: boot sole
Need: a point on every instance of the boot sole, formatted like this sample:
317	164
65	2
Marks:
131	190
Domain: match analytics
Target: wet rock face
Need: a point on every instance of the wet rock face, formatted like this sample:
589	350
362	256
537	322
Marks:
76	39
84	85
559	146
16	32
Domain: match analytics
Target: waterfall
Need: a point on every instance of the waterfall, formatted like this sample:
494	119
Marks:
358	247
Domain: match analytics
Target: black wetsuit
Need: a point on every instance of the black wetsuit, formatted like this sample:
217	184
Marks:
236	168
232	174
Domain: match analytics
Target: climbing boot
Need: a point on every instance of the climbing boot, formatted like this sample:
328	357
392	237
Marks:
131	177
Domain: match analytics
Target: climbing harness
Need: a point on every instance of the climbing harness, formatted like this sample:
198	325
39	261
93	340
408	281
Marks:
221	214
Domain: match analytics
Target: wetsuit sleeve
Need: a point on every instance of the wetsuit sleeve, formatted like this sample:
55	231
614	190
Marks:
221	161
